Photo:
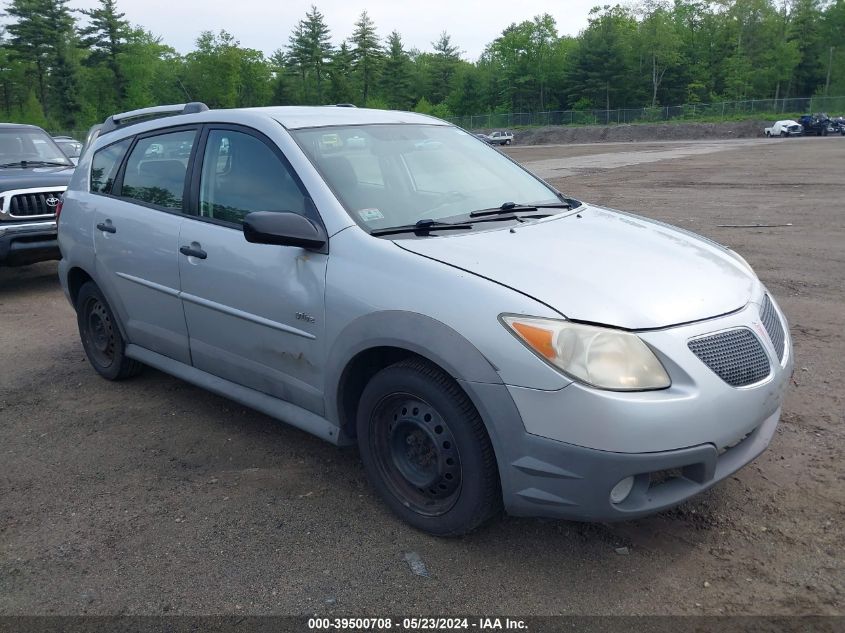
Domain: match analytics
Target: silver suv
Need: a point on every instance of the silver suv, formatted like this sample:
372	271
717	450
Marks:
388	279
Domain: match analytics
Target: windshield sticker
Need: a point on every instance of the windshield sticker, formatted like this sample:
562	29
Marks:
370	215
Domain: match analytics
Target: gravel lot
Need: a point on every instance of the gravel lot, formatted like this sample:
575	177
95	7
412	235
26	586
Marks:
151	496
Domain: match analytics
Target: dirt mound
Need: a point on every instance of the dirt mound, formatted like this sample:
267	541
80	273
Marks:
640	132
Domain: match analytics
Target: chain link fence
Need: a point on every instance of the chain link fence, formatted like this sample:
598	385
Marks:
765	108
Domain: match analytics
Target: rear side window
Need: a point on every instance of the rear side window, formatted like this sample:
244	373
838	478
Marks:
241	174
105	164
156	169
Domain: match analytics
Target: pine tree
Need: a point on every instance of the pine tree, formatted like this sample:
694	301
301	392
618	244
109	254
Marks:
396	76
366	53
106	38
309	53
42	38
340	71
296	58
319	47
447	56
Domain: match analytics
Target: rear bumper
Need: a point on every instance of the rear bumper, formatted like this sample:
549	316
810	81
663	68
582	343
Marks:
27	243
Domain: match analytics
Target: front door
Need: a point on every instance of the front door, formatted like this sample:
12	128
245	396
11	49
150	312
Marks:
136	238
255	312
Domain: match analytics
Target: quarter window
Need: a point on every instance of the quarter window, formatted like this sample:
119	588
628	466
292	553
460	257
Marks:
104	166
156	169
241	174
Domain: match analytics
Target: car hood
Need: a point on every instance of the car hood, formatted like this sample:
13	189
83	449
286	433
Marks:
605	267
17	178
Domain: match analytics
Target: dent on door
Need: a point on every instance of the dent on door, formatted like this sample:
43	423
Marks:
255	313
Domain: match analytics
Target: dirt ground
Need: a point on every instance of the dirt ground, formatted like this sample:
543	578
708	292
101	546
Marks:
151	496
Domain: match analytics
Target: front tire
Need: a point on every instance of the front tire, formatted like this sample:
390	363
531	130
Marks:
101	338
426	451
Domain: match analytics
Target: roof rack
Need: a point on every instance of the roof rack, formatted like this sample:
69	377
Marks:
116	121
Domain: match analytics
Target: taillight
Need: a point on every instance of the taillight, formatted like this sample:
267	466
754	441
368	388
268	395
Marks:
59	209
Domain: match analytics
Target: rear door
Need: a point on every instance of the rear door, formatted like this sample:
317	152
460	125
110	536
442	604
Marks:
136	239
255	312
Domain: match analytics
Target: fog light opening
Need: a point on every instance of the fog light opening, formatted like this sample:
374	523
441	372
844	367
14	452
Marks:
621	490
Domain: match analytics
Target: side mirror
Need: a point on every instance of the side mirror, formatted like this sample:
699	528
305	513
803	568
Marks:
284	229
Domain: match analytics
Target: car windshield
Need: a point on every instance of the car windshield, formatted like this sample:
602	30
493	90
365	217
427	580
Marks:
397	174
70	147
30	145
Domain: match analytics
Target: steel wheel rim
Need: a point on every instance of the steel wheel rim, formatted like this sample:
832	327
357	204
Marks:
416	454
99	333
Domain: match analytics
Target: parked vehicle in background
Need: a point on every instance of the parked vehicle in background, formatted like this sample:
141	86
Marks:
815	124
501	137
34	174
787	127
837	126
498	137
383	278
70	146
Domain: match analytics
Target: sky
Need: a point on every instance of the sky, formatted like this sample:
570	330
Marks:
266	24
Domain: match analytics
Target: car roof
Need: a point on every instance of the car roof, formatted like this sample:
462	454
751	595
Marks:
18	126
145	120
297	117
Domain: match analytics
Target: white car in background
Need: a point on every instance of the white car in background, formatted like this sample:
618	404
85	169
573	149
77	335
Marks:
787	127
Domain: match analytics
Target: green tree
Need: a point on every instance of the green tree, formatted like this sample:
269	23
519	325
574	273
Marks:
106	37
309	53
396	75
42	38
660	45
601	62
366	54
444	63
340	73
224	75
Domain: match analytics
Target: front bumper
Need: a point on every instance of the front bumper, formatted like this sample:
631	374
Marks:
554	479
28	242
574	445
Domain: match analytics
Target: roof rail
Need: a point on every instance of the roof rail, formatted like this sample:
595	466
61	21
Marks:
123	119
345	105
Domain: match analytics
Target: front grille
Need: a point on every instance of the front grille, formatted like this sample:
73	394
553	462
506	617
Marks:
771	321
736	356
25	205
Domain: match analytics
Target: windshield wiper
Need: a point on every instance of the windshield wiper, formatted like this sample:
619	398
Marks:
422	226
511	207
35	163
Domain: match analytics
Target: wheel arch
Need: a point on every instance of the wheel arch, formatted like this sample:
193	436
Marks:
76	278
376	341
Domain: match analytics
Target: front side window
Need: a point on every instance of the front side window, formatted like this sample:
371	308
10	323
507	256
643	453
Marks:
241	174
104	165
156	169
398	174
29	145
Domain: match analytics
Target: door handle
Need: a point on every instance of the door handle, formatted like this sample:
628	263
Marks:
189	251
106	227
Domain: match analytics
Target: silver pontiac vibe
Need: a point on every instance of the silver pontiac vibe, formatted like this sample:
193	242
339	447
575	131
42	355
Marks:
387	279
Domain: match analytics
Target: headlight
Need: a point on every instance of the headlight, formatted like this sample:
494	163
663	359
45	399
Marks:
601	357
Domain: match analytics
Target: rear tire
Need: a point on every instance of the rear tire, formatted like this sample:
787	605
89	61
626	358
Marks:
101	338
426	451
